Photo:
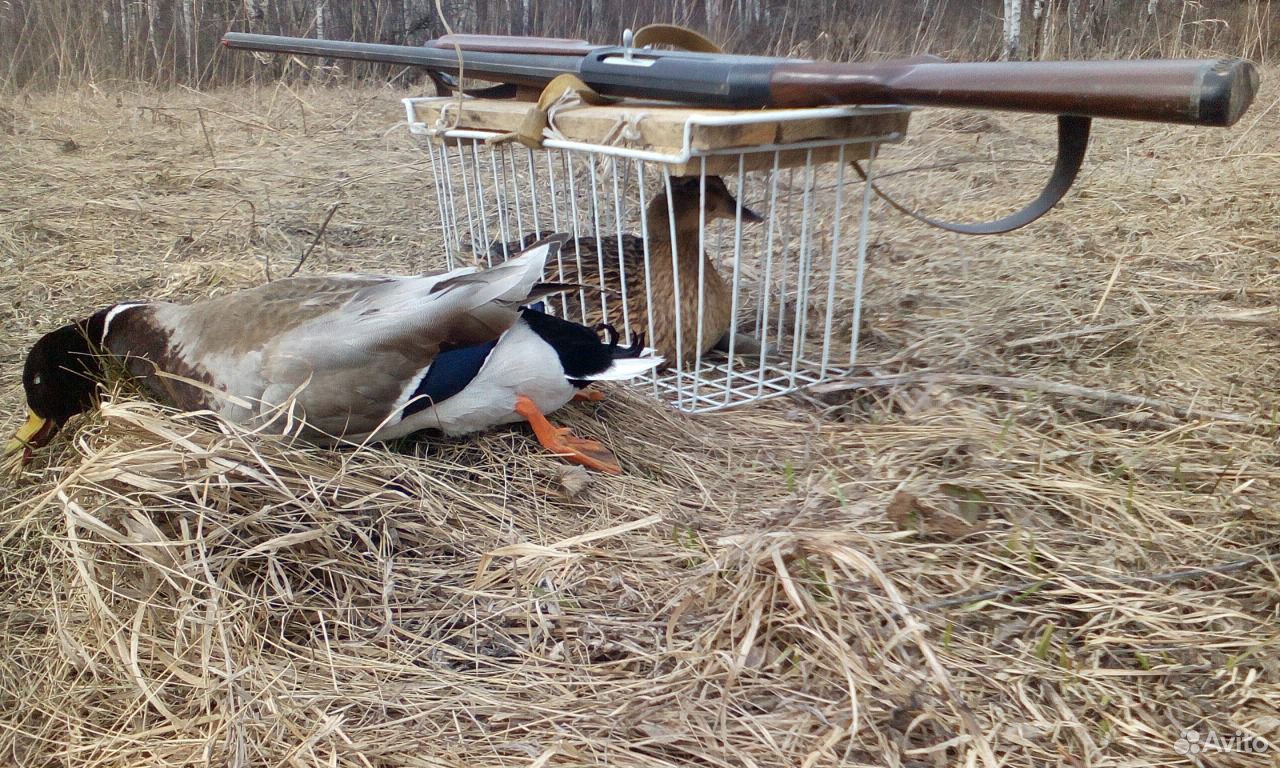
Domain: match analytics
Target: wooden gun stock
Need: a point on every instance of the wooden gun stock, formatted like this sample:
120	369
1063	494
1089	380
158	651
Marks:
1201	92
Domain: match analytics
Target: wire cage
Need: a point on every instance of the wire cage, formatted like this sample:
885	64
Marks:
645	191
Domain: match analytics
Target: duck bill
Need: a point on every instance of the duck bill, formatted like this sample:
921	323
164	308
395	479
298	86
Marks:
33	434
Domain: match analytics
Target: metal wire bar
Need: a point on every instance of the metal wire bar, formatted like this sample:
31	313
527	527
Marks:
624	288
785	219
439	178
648	269
555	222
499	199
864	227
533	186
702	269
466	194
485	238
675	276
802	272
736	281
599	241
766	284
511	192
831	266
577	235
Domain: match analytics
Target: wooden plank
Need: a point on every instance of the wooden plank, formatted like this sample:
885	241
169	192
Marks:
661	126
658	125
840	127
721	165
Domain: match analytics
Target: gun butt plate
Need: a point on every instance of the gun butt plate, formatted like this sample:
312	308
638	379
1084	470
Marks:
1227	88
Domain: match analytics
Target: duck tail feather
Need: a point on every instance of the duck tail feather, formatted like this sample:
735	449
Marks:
534	260
624	368
635	349
500	251
509	283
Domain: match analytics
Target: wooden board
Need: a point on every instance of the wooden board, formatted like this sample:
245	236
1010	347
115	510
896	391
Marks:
661	127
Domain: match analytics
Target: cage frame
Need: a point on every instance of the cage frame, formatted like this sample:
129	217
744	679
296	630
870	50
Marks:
711	383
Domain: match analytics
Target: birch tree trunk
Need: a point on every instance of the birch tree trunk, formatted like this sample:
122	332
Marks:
1012	29
1039	25
193	43
713	18
1076	11
180	37
151	33
126	40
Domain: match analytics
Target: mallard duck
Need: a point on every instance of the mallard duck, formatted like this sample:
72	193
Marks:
345	358
580	262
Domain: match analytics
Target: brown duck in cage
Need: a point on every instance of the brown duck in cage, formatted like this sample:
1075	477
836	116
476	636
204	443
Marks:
665	295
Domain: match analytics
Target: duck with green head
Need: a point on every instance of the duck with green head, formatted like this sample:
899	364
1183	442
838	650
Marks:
345	358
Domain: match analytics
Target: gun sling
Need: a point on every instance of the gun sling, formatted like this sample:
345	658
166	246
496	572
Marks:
1073	140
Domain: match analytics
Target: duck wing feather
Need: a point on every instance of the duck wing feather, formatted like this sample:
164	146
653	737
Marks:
348	368
340	349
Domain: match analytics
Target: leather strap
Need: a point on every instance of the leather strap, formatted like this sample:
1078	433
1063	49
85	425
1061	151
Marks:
675	36
535	120
1073	140
447	86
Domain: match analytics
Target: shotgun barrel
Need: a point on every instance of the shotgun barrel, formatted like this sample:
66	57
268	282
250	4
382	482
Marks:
1211	92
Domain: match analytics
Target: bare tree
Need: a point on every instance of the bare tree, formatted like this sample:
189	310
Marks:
1012	30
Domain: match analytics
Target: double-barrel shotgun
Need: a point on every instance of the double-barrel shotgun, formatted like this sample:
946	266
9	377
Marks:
1209	92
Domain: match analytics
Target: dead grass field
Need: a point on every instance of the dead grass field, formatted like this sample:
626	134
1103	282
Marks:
780	585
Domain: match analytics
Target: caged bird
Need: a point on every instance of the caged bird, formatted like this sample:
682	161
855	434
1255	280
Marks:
348	358
617	265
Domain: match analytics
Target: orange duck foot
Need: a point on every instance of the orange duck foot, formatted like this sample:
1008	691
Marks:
562	442
588	396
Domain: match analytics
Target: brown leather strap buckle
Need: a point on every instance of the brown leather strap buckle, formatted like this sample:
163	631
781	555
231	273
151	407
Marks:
675	36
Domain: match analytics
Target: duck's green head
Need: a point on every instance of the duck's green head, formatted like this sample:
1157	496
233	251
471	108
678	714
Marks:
60	379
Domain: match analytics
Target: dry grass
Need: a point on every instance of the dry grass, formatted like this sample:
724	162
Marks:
770	586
